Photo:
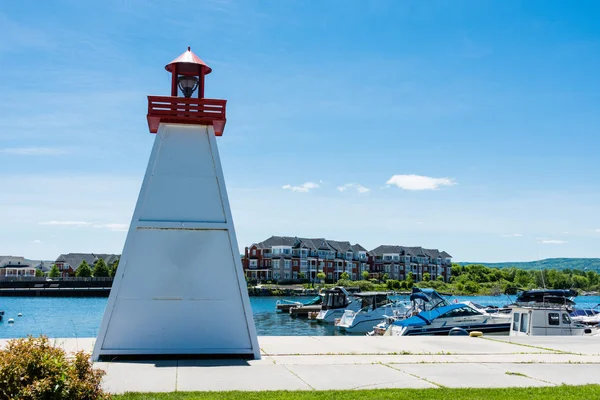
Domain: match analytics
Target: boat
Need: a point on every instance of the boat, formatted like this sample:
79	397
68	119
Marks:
374	307
442	319
547	313
488	309
547	319
425	299
547	296
285	305
1	315
586	316
335	302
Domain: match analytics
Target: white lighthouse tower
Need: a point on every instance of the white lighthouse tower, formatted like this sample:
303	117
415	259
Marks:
180	288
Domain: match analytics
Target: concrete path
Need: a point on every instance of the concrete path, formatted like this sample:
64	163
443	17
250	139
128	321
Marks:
352	362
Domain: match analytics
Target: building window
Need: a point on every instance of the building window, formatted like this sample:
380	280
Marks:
287	275
253	252
287	264
275	263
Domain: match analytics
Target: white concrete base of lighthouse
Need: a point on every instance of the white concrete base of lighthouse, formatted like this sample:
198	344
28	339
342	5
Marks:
180	288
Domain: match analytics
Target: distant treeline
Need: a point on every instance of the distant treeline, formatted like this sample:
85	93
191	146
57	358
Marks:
480	279
583	264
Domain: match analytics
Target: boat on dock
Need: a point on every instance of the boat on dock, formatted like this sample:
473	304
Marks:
374	307
335	302
547	313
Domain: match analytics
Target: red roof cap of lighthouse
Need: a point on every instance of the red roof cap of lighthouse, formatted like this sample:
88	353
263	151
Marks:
189	63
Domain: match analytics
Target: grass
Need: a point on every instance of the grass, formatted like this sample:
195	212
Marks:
516	374
543	393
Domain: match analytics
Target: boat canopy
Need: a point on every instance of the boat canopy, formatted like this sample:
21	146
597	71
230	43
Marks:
427	298
373	300
338	297
554	296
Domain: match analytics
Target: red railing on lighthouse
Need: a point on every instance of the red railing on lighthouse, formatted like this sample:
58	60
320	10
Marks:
181	110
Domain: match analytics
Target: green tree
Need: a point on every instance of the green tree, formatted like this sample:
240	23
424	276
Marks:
440	278
345	276
580	282
426	277
84	270
302	276
471	287
38	273
321	276
100	269
365	275
386	277
523	279
54	272
113	268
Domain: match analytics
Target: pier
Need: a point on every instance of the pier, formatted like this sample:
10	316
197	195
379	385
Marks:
73	287
360	362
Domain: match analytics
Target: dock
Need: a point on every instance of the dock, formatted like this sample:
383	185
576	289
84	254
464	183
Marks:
360	362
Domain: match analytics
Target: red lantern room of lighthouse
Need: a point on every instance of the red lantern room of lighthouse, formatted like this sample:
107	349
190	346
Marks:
188	74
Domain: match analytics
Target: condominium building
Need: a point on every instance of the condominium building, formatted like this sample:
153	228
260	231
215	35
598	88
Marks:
399	261
286	257
291	258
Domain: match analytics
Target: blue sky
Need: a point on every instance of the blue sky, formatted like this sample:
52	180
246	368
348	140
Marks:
474	125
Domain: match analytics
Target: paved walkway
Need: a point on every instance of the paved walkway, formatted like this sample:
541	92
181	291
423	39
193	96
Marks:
351	362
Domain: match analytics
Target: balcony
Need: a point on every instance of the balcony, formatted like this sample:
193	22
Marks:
180	110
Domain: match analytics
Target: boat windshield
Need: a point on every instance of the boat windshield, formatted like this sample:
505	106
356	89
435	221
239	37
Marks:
373	302
335	299
427	301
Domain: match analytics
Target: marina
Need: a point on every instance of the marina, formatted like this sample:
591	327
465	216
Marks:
77	317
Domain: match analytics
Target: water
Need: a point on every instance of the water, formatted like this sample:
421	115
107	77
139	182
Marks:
80	317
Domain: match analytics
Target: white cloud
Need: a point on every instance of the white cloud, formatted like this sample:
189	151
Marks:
34	151
113	227
305	187
359	188
419	182
36	241
552	241
66	223
512	235
598	230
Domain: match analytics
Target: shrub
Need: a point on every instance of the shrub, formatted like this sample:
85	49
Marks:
392	284
365	286
344	282
31	369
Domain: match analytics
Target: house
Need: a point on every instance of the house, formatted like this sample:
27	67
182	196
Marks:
287	258
67	264
399	261
15	267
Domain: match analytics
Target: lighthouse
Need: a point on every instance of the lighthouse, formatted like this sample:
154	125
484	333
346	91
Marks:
180	288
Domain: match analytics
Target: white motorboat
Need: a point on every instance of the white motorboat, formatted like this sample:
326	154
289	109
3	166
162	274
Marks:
586	316
547	320
546	313
375	307
335	302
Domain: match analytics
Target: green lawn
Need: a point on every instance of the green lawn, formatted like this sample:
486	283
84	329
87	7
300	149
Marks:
560	392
